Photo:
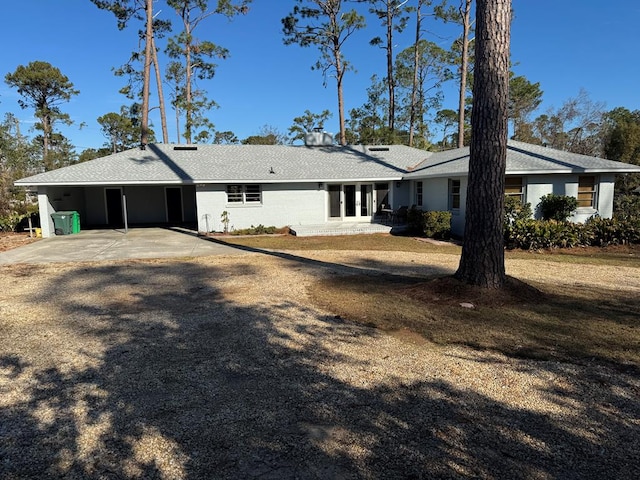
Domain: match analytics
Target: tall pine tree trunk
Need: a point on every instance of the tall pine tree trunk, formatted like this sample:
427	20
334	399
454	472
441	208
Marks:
482	261
188	110
416	68
339	76
464	67
163	113
390	77
46	143
144	134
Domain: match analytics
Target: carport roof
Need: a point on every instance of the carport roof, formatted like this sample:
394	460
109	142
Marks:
190	164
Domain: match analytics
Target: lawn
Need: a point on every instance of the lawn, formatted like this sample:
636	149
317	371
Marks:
547	321
628	255
377	242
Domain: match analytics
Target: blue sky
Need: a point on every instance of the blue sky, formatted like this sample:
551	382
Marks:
565	45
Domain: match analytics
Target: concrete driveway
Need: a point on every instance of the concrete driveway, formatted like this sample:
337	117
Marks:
96	245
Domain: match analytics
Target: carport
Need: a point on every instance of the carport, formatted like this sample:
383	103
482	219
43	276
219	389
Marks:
119	206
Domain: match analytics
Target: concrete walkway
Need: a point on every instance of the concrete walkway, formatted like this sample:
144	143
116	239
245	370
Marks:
96	245
343	228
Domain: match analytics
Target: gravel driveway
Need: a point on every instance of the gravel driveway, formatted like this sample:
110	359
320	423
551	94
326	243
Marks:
218	367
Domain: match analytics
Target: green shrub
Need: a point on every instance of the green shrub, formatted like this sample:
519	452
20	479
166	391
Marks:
514	209
415	221
432	224
224	218
627	207
259	230
602	232
436	224
533	234
557	207
10	221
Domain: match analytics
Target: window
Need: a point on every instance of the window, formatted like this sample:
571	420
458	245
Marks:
587	191
454	194
234	193
419	194
252	194
513	187
244	194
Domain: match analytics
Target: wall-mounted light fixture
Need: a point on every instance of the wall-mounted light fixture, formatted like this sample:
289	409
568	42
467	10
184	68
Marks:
398	184
320	184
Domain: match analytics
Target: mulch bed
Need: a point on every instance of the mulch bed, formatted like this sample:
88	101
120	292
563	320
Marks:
9	240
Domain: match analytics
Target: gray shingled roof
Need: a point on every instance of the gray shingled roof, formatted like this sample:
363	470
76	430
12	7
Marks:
161	163
167	164
522	159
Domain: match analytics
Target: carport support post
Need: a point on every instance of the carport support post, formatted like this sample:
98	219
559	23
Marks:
124	213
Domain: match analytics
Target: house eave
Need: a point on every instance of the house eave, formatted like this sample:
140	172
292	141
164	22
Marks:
206	182
566	171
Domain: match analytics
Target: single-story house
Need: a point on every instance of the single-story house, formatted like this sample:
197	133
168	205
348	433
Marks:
312	184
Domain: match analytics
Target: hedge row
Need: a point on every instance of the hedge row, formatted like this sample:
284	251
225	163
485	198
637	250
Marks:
529	234
532	234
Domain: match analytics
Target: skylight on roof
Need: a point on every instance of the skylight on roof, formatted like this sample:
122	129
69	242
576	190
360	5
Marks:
185	147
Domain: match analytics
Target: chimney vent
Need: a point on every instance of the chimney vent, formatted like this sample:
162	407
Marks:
185	147
318	139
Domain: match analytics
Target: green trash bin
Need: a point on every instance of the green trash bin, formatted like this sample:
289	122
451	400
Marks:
63	223
75	222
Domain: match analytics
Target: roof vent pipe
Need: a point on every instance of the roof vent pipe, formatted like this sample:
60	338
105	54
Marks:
318	138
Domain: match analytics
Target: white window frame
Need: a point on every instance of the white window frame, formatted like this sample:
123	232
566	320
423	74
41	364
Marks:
593	192
419	193
521	195
243	194
453	194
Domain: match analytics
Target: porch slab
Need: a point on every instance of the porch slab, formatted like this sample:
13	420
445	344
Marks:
329	229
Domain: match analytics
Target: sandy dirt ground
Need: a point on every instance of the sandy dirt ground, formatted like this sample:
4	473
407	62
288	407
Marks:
220	367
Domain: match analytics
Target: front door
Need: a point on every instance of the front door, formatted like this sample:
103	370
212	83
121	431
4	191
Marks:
382	196
114	207
335	201
350	204
366	201
174	204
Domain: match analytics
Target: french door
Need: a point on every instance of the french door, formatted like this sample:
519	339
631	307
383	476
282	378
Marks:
353	201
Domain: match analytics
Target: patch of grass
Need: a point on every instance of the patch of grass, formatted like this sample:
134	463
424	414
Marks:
617	255
573	325
624	255
379	242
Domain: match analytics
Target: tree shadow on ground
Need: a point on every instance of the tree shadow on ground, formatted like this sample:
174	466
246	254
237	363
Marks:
178	380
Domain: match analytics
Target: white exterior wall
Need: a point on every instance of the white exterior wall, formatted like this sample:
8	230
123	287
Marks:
436	198
45	209
401	196
605	195
59	199
282	205
539	185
